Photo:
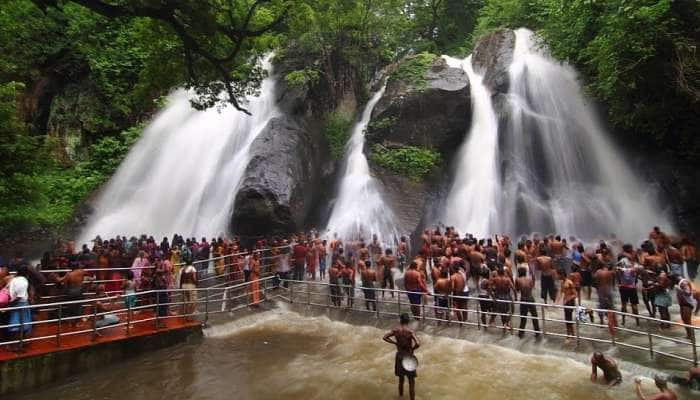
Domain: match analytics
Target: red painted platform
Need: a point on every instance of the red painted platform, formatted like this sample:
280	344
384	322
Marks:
110	334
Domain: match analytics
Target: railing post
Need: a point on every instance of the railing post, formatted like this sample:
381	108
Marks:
128	317
695	349
157	321
612	331
206	306
449	309
544	318
376	302
398	302
578	337
328	298
58	326
291	292
21	329
510	316
94	320
651	341
308	293
478	314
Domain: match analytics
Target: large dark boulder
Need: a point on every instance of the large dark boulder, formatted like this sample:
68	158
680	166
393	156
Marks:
435	116
492	57
281	184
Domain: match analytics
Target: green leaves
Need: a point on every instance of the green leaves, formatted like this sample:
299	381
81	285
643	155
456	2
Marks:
412	70
410	161
337	132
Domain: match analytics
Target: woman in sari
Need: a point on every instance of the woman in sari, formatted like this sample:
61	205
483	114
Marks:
254	278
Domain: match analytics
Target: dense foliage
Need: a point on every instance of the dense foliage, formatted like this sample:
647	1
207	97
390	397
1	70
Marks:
638	58
410	161
337	132
78	78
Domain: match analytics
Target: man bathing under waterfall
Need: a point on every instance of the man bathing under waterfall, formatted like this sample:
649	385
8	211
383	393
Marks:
406	342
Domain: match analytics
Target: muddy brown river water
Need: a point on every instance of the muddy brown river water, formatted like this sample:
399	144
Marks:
285	355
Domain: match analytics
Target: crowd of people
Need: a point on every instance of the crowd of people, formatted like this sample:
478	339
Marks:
447	267
119	266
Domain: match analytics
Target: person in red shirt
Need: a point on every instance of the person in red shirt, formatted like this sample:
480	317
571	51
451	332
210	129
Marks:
299	256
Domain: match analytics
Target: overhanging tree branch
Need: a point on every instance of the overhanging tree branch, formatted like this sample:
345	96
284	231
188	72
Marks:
195	47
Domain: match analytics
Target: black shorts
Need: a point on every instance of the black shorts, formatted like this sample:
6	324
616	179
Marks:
441	302
485	303
586	278
629	295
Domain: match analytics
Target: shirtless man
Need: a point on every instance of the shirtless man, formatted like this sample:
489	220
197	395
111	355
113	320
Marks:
415	285
501	289
609	367
385	264
73	287
556	248
604	281
476	258
544	265
369	276
406	343
661	384
524	284
347	282
568	298
375	249
443	289
333	277
362	253
459	283
402	253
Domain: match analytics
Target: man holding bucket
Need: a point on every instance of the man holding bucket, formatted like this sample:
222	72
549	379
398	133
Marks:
405	364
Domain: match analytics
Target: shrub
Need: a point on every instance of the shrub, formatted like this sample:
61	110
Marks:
412	70
411	161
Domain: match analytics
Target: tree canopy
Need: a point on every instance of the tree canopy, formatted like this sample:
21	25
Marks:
78	78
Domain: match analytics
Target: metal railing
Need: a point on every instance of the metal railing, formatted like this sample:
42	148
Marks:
95	316
649	339
228	276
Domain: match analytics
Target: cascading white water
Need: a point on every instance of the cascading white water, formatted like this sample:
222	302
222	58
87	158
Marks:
183	173
360	210
471	203
552	165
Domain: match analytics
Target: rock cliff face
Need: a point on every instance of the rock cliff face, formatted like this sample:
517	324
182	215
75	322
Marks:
281	181
492	56
290	172
433	116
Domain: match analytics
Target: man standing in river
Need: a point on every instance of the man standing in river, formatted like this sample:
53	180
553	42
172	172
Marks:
406	342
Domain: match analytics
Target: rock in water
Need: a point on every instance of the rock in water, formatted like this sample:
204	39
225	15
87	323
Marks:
280	183
492	57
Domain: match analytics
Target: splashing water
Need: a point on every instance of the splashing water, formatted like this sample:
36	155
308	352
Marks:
183	173
360	210
471	204
555	167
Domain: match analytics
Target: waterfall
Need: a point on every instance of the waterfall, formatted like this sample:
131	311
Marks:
471	202
182	175
360	210
551	161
